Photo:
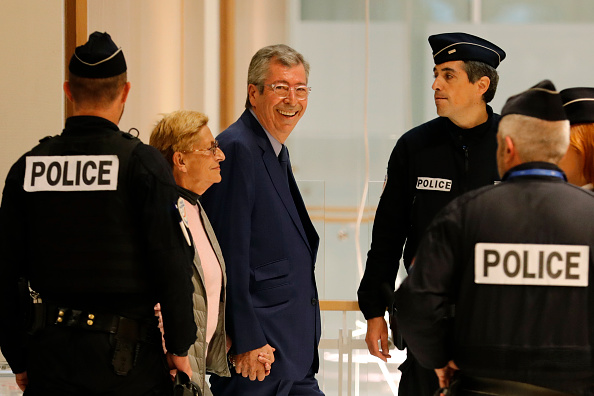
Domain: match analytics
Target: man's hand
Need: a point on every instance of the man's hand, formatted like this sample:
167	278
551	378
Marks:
253	363
22	380
445	374
377	329
264	358
181	363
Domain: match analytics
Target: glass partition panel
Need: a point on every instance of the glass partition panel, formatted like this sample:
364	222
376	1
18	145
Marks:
538	11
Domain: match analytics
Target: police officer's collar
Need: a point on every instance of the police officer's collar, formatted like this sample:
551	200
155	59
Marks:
88	125
535	170
470	135
188	195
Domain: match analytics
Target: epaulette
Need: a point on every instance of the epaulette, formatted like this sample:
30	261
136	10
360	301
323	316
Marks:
45	139
129	134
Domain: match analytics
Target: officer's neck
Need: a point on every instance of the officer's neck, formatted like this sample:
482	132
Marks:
472	117
112	112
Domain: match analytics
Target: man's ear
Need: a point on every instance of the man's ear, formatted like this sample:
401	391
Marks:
510	148
67	91
126	91
252	89
510	155
483	84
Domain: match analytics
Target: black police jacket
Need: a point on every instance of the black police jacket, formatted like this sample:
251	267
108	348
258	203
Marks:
429	166
516	260
89	218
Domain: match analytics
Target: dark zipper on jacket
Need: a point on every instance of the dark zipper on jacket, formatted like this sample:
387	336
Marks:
466	168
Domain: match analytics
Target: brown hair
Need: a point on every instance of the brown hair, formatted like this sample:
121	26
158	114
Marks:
475	70
96	91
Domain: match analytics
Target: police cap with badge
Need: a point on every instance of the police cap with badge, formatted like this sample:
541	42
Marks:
579	105
448	47
99	57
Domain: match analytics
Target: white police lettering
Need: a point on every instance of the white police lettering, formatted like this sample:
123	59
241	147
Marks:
531	264
430	183
72	173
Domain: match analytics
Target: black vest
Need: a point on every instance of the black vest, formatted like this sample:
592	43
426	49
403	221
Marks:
85	241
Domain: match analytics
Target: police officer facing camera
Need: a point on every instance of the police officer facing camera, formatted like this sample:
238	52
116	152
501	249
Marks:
431	165
88	218
516	260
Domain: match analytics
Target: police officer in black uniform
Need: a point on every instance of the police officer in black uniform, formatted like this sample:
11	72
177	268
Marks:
431	165
517	260
88	221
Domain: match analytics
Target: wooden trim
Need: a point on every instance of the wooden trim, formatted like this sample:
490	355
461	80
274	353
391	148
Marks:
75	34
339	305
227	58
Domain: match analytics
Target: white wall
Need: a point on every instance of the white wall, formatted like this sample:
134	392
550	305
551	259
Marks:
31	58
165	43
258	23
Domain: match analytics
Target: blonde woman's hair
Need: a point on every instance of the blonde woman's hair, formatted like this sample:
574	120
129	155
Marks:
177	131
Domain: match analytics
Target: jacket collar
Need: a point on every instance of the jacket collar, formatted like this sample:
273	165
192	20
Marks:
188	195
524	171
88	125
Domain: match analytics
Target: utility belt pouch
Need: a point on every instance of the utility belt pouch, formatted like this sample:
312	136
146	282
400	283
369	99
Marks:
33	312
389	297
38	318
126	346
396	335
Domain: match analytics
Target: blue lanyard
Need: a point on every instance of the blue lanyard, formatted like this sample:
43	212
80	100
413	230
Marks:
537	172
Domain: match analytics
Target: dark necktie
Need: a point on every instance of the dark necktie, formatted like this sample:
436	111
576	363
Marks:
283	158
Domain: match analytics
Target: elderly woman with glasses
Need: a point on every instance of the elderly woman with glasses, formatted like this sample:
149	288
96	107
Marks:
187	144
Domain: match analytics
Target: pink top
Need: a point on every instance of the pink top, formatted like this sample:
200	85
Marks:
213	277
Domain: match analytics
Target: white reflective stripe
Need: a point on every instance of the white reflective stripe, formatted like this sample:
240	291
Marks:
431	183
531	264
71	173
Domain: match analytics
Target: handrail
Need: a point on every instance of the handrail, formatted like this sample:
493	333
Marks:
339	305
345	344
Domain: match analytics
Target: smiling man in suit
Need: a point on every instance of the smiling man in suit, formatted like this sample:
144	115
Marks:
268	240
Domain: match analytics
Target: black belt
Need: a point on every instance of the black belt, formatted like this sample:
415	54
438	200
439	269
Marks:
126	332
489	386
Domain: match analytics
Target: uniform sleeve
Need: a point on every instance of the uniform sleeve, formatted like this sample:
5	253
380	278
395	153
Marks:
169	256
423	301
13	247
390	229
229	206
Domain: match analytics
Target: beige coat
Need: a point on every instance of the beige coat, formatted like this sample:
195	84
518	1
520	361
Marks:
215	361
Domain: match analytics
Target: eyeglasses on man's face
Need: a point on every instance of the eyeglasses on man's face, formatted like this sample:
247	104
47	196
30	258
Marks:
213	148
282	90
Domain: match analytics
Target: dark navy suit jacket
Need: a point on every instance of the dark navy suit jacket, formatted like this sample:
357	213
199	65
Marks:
270	246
